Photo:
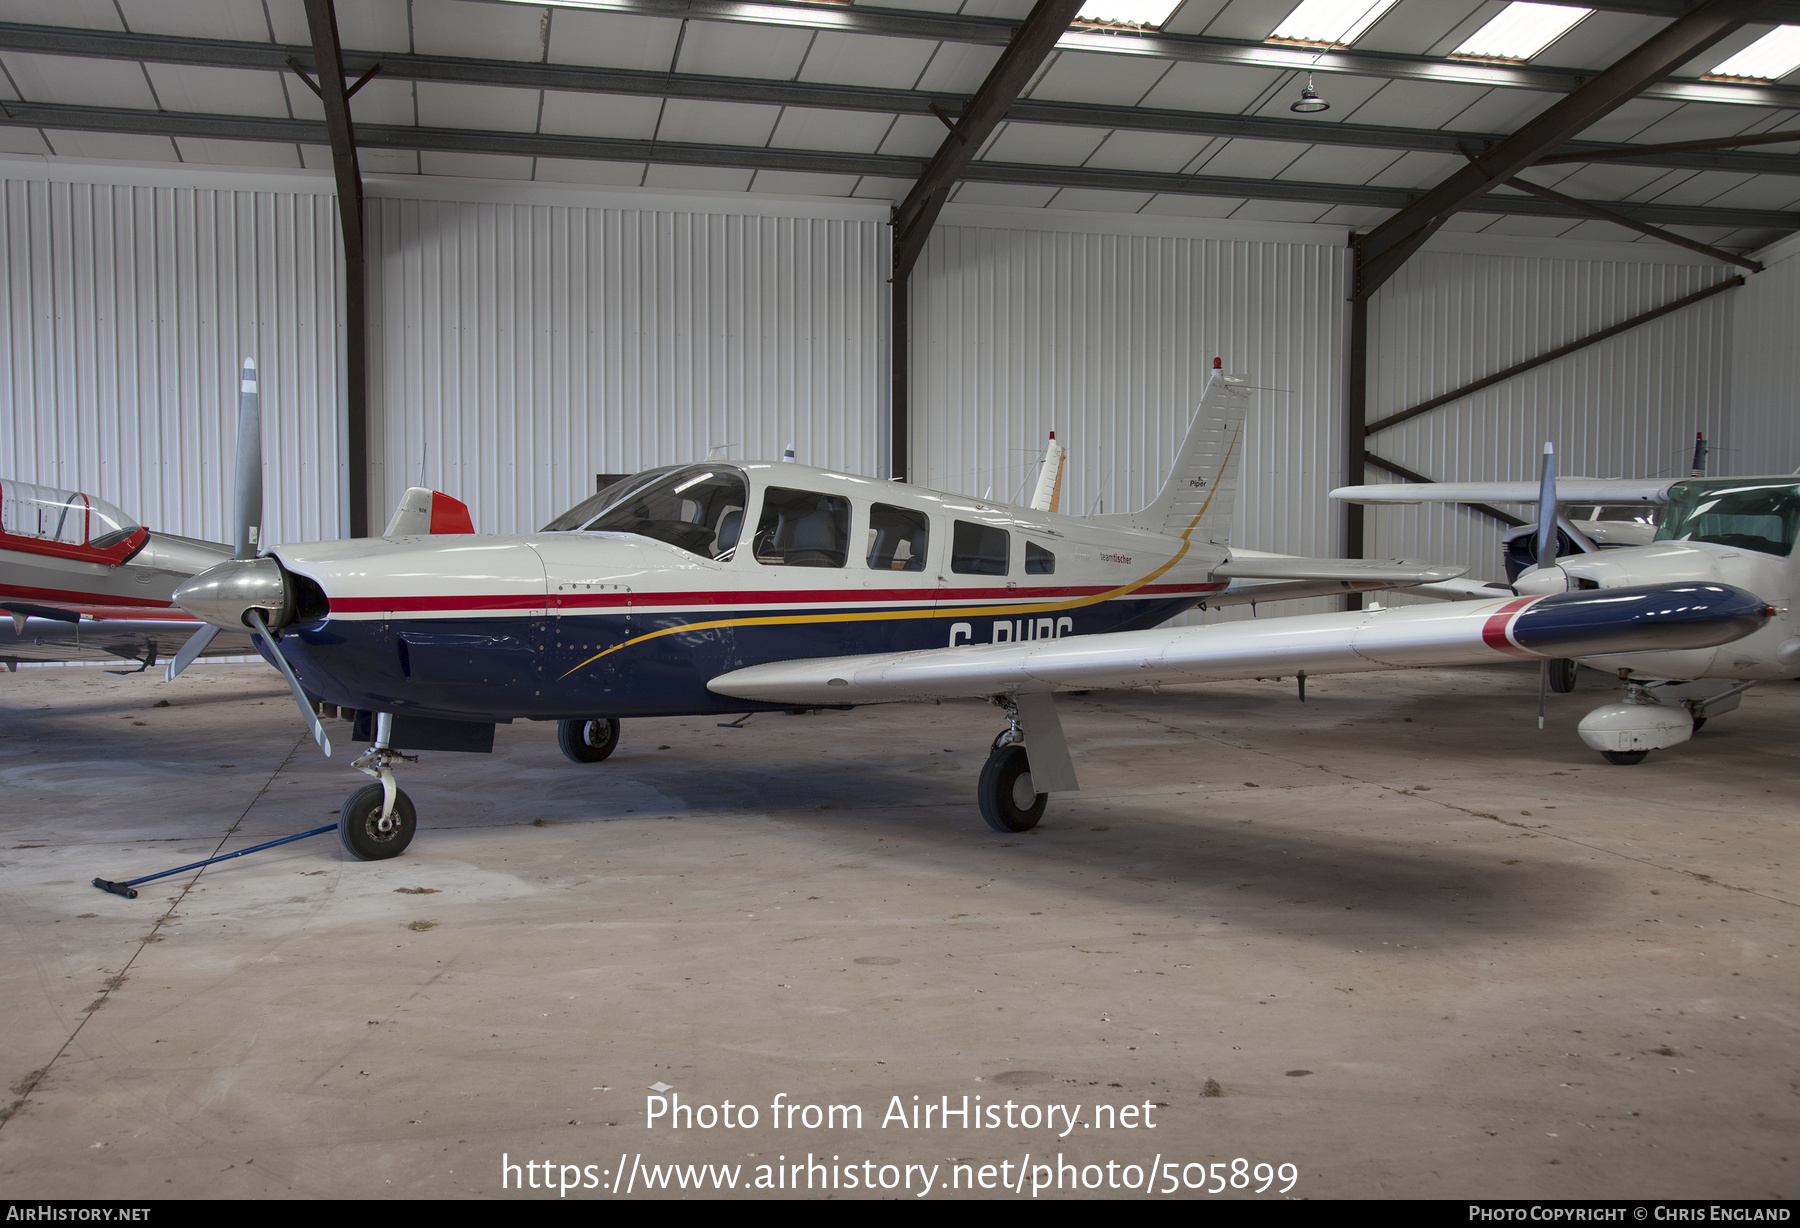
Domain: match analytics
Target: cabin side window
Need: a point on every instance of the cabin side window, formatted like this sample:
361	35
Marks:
1039	561
980	549
898	537
803	528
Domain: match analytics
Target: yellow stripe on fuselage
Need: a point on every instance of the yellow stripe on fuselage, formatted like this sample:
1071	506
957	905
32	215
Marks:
964	612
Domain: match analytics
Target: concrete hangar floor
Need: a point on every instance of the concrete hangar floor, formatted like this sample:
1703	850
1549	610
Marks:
1396	939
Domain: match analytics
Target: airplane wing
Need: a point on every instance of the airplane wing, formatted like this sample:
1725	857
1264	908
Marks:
1568	490
1582	623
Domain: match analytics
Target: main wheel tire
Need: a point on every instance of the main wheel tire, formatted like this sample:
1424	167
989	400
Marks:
1699	723
360	830
589	740
1624	758
1562	675
1008	800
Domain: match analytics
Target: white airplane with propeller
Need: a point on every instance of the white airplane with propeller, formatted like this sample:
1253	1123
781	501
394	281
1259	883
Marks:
1732	531
727	588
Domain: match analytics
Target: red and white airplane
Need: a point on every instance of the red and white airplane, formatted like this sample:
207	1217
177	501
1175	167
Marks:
721	588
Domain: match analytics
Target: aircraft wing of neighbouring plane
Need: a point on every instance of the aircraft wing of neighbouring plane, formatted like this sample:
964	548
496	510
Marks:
1460	633
1606	491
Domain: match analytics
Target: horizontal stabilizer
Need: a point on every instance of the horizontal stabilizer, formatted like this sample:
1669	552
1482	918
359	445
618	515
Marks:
1611	491
1652	617
1373	571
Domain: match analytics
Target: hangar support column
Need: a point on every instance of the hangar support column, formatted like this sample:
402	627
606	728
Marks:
328	64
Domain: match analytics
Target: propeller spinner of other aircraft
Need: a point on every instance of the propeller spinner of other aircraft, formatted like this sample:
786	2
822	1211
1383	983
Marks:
721	588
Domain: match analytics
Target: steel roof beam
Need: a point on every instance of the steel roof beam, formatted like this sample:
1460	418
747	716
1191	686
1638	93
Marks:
105	44
1024	55
1618	219
615	149
1385	248
1692	155
1637	155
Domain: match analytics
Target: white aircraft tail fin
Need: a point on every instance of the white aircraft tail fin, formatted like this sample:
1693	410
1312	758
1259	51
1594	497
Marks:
1048	495
1199	497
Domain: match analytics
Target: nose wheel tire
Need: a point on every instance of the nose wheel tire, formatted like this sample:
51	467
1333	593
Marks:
1008	800
1624	758
589	740
362	832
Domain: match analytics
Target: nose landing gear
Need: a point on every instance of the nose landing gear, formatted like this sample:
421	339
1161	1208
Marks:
378	820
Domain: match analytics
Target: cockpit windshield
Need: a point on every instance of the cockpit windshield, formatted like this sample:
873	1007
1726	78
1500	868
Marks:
68	518
578	516
699	509
1752	515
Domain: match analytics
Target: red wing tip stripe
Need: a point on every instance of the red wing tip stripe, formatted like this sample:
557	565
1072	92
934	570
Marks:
1496	631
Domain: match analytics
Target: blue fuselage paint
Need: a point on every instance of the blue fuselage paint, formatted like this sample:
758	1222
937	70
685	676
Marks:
496	668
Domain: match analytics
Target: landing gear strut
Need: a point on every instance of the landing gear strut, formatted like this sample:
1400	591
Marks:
378	820
1009	801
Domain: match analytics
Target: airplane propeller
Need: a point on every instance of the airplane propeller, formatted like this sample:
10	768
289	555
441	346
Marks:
261	622
248	504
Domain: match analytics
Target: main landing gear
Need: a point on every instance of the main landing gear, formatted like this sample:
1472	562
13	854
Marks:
589	740
378	820
1008	799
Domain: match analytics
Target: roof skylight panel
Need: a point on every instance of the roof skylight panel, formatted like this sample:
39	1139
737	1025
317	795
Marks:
1521	30
1769	58
1136	14
1330	23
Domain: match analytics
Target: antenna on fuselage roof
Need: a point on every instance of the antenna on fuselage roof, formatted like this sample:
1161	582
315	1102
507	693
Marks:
788	455
717	451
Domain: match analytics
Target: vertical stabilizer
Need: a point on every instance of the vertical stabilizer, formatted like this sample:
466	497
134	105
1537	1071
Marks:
1200	495
1048	495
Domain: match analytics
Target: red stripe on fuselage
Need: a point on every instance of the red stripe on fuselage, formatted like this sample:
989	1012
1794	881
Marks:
856	596
1493	631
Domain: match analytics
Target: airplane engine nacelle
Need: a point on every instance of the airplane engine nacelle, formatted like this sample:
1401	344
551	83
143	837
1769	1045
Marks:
1635	727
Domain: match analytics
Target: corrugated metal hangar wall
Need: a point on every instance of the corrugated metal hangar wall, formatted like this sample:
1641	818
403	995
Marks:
531	338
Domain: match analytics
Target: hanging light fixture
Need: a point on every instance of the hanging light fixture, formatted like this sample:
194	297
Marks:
1309	102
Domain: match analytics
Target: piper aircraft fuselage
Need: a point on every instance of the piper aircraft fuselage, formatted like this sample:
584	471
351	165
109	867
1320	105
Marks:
704	569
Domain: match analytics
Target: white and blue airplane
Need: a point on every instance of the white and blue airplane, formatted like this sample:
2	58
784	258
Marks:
720	588
1738	532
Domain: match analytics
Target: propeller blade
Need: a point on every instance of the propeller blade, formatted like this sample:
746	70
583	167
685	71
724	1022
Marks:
195	645
312	718
1546	538
249	465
